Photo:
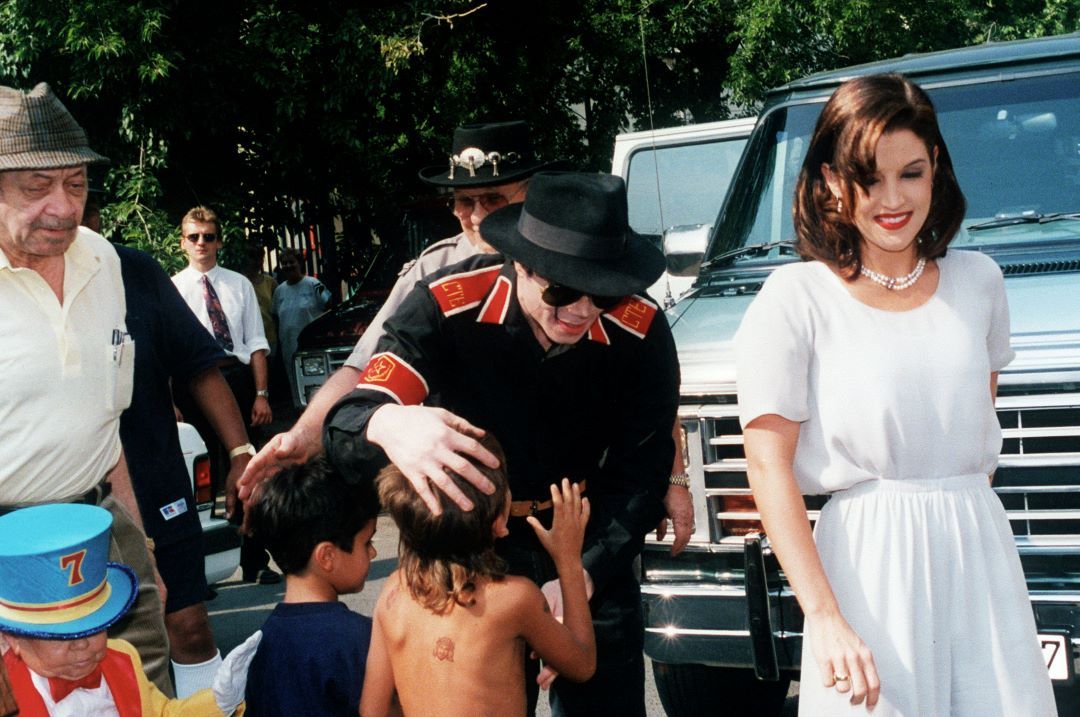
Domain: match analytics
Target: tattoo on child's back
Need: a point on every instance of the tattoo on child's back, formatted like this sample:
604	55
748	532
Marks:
444	649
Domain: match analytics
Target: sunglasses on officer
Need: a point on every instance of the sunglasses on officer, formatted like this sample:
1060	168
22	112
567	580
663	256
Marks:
460	203
466	204
208	237
557	295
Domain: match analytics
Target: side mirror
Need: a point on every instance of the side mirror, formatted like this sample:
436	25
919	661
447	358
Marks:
684	247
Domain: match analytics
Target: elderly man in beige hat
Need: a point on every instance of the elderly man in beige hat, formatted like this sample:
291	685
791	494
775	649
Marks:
66	358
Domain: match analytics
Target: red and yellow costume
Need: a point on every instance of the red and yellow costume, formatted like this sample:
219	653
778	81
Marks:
133	694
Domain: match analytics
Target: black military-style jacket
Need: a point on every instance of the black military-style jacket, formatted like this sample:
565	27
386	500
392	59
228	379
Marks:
600	410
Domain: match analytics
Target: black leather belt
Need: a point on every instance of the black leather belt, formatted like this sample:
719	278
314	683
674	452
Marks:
525	508
94	496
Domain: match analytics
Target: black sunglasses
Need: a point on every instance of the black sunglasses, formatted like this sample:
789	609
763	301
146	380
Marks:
194	238
466	204
558	295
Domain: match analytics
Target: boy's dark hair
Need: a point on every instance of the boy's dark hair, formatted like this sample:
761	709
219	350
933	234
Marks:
441	557
305	505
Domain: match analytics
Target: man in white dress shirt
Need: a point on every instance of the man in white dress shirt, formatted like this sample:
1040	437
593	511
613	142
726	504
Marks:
225	303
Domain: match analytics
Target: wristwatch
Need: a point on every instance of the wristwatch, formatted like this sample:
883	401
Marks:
681	479
241	450
263	393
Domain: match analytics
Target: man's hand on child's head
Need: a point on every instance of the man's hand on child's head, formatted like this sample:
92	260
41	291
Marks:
283	450
428	444
570	514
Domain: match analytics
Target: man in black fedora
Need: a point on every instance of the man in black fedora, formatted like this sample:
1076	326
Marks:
489	166
554	349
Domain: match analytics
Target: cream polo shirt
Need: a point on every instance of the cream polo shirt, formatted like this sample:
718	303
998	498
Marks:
238	301
65	374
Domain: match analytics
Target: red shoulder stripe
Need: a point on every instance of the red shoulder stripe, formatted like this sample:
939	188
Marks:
461	292
392	375
634	314
598	334
494	311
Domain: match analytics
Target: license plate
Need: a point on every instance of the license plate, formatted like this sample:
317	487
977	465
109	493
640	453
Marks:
1055	649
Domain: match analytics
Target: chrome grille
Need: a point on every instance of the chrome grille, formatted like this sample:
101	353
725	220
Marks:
1038	477
337	357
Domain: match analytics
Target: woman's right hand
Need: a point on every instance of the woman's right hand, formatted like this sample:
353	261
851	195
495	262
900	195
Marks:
841	653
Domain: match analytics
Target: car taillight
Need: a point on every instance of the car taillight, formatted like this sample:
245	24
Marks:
204	492
729	508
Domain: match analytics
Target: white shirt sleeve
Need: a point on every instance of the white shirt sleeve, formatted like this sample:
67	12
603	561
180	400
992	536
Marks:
772	350
998	347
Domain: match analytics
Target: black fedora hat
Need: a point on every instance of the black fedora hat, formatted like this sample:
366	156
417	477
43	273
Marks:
485	154
573	230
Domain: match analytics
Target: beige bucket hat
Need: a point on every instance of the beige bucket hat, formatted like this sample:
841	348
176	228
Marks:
37	132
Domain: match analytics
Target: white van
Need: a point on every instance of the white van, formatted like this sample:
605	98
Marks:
676	179
221	542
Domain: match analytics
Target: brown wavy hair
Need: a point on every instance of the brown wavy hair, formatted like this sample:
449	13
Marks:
441	558
845	138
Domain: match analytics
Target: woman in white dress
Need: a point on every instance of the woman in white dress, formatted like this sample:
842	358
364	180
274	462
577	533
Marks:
868	372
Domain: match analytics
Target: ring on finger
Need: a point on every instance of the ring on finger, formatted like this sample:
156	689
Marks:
840	678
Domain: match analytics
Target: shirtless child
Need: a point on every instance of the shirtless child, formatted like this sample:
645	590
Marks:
451	629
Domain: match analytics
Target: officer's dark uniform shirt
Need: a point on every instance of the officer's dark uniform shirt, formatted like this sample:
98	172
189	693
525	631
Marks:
599	410
169	343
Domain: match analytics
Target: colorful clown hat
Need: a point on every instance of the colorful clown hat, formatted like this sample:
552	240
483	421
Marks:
55	579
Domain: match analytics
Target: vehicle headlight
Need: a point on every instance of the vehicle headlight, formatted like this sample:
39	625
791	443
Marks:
313	366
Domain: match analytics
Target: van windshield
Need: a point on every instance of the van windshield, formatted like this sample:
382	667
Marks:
1015	146
679	185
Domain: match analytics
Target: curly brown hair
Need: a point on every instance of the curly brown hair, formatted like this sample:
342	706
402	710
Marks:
441	557
845	138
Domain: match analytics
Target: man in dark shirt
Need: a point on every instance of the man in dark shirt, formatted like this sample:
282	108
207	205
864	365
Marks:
550	349
172	346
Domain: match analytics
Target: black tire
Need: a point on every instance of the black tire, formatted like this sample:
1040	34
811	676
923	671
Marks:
700	690
1067	699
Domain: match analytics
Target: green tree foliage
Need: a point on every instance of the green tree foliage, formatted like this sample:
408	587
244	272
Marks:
286	115
782	40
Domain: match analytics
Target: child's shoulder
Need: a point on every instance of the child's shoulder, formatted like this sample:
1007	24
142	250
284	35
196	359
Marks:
325	620
514	592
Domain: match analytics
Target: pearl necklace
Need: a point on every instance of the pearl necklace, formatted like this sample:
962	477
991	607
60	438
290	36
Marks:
895	283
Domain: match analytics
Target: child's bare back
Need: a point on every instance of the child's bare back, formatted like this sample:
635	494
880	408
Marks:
450	630
468	661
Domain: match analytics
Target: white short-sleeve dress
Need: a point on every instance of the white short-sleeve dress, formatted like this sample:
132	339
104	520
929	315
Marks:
898	426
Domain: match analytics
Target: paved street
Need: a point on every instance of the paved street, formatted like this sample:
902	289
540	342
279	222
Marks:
240	608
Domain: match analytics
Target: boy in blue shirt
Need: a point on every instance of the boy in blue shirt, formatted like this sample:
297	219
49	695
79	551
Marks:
311	657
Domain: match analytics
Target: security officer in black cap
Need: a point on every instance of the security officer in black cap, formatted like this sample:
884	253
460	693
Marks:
554	348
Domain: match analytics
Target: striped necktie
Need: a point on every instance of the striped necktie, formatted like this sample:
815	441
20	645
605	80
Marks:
217	315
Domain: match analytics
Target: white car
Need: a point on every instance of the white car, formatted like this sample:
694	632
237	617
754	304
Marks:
221	542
